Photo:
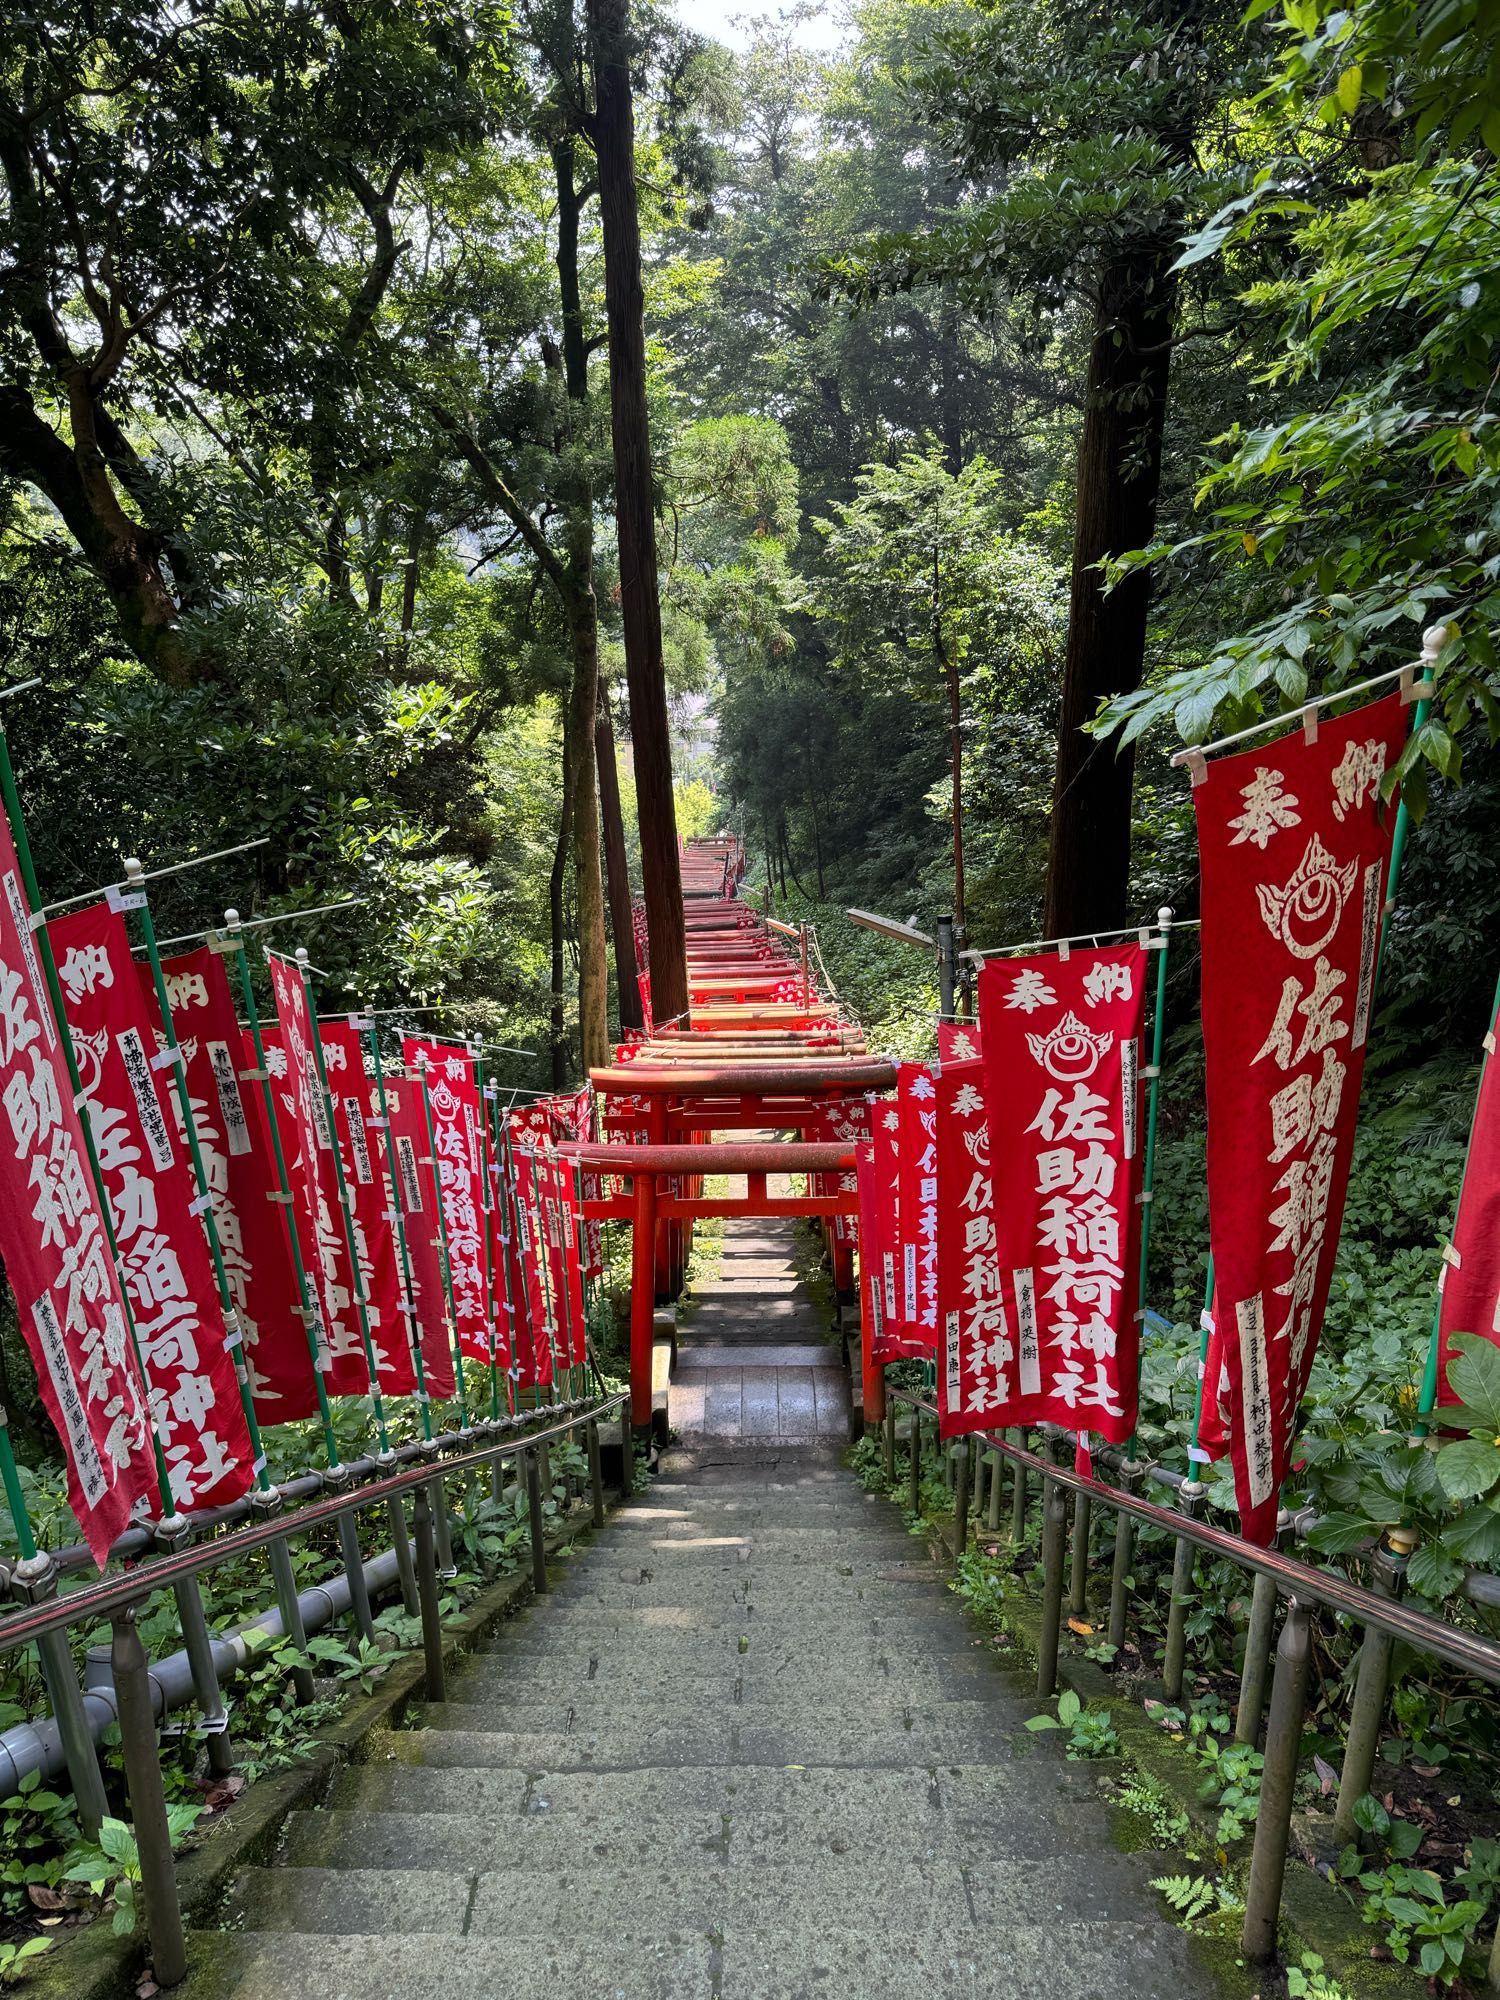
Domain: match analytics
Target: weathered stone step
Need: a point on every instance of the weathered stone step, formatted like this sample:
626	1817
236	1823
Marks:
474	1736
726	1897
1100	1961
692	1676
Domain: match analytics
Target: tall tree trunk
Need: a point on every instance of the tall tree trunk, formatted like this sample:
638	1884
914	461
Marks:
616	867
1119	479
817	831
640	605
555	884
949	669
583	634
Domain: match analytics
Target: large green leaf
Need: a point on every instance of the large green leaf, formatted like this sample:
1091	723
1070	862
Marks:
1468	1468
1474	1377
1475	1536
1339	1534
1431	1573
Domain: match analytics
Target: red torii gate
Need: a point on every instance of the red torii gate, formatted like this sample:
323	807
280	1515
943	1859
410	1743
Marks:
653	1199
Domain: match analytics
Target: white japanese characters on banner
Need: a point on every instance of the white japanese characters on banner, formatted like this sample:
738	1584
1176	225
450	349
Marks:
1060	1037
976	1355
56	1252
454	1096
1294	844
180	1326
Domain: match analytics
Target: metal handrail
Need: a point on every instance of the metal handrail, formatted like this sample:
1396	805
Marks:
111	1594
1469	1652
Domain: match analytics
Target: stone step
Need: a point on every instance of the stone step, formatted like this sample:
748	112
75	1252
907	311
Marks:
753	1679
851	1894
1084	1961
476	1734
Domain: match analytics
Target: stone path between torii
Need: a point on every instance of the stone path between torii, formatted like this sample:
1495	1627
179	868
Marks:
750	1749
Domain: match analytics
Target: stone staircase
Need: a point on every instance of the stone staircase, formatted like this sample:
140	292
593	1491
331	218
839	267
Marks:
750	1749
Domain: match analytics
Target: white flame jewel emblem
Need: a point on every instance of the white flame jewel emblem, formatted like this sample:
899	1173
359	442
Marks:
1305	912
1072	1051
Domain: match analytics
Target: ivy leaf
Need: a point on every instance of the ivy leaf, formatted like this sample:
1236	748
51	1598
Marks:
1469	1468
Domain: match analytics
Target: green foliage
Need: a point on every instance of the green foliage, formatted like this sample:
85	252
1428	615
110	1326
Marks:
16	1958
1090	1733
111	1867
1307	1980
1149	1801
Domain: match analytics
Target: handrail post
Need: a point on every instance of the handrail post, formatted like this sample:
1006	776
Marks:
354	1563
1054	1543
627	1451
1257	1663
148	1804
1018	1495
538	1529
435	1678
642	1302
888	1444
1362	1738
961	1499
1078	1588
34	1581
913	1457
1131	1474
992	1519
1190	1496
1278	1783
401	1547
596	1476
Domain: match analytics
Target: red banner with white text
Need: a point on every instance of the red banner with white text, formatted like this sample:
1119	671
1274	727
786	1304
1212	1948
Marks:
362	1153
153	1197
229	1115
899	1340
417	1187
916	1203
307	1142
56	1253
1294	847
1061	1053
977	1356
1470	1276
453	1095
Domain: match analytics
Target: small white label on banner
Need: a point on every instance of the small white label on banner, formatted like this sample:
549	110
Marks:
1368	940
1130	1091
951	1328
1028	1348
231	1104
147	1103
359	1142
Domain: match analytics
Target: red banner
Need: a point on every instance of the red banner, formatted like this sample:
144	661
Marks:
153	1197
307	1141
362	1153
417	1187
56	1253
916	1203
537	1334
1061	1055
977	1383
871	1283
454	1097
1294	848
1470	1277
898	1340
229	1114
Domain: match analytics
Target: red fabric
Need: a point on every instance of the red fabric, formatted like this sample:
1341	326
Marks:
537	1363
871	1261
977	1376
958	1041
1061	1047
229	1111
898	1340
419	1221
1471	1285
454	1097
1294	847
916	1203
56	1253
362	1152
152	1193
307	1141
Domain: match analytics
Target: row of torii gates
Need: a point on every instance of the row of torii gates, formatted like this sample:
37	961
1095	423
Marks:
762	1048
